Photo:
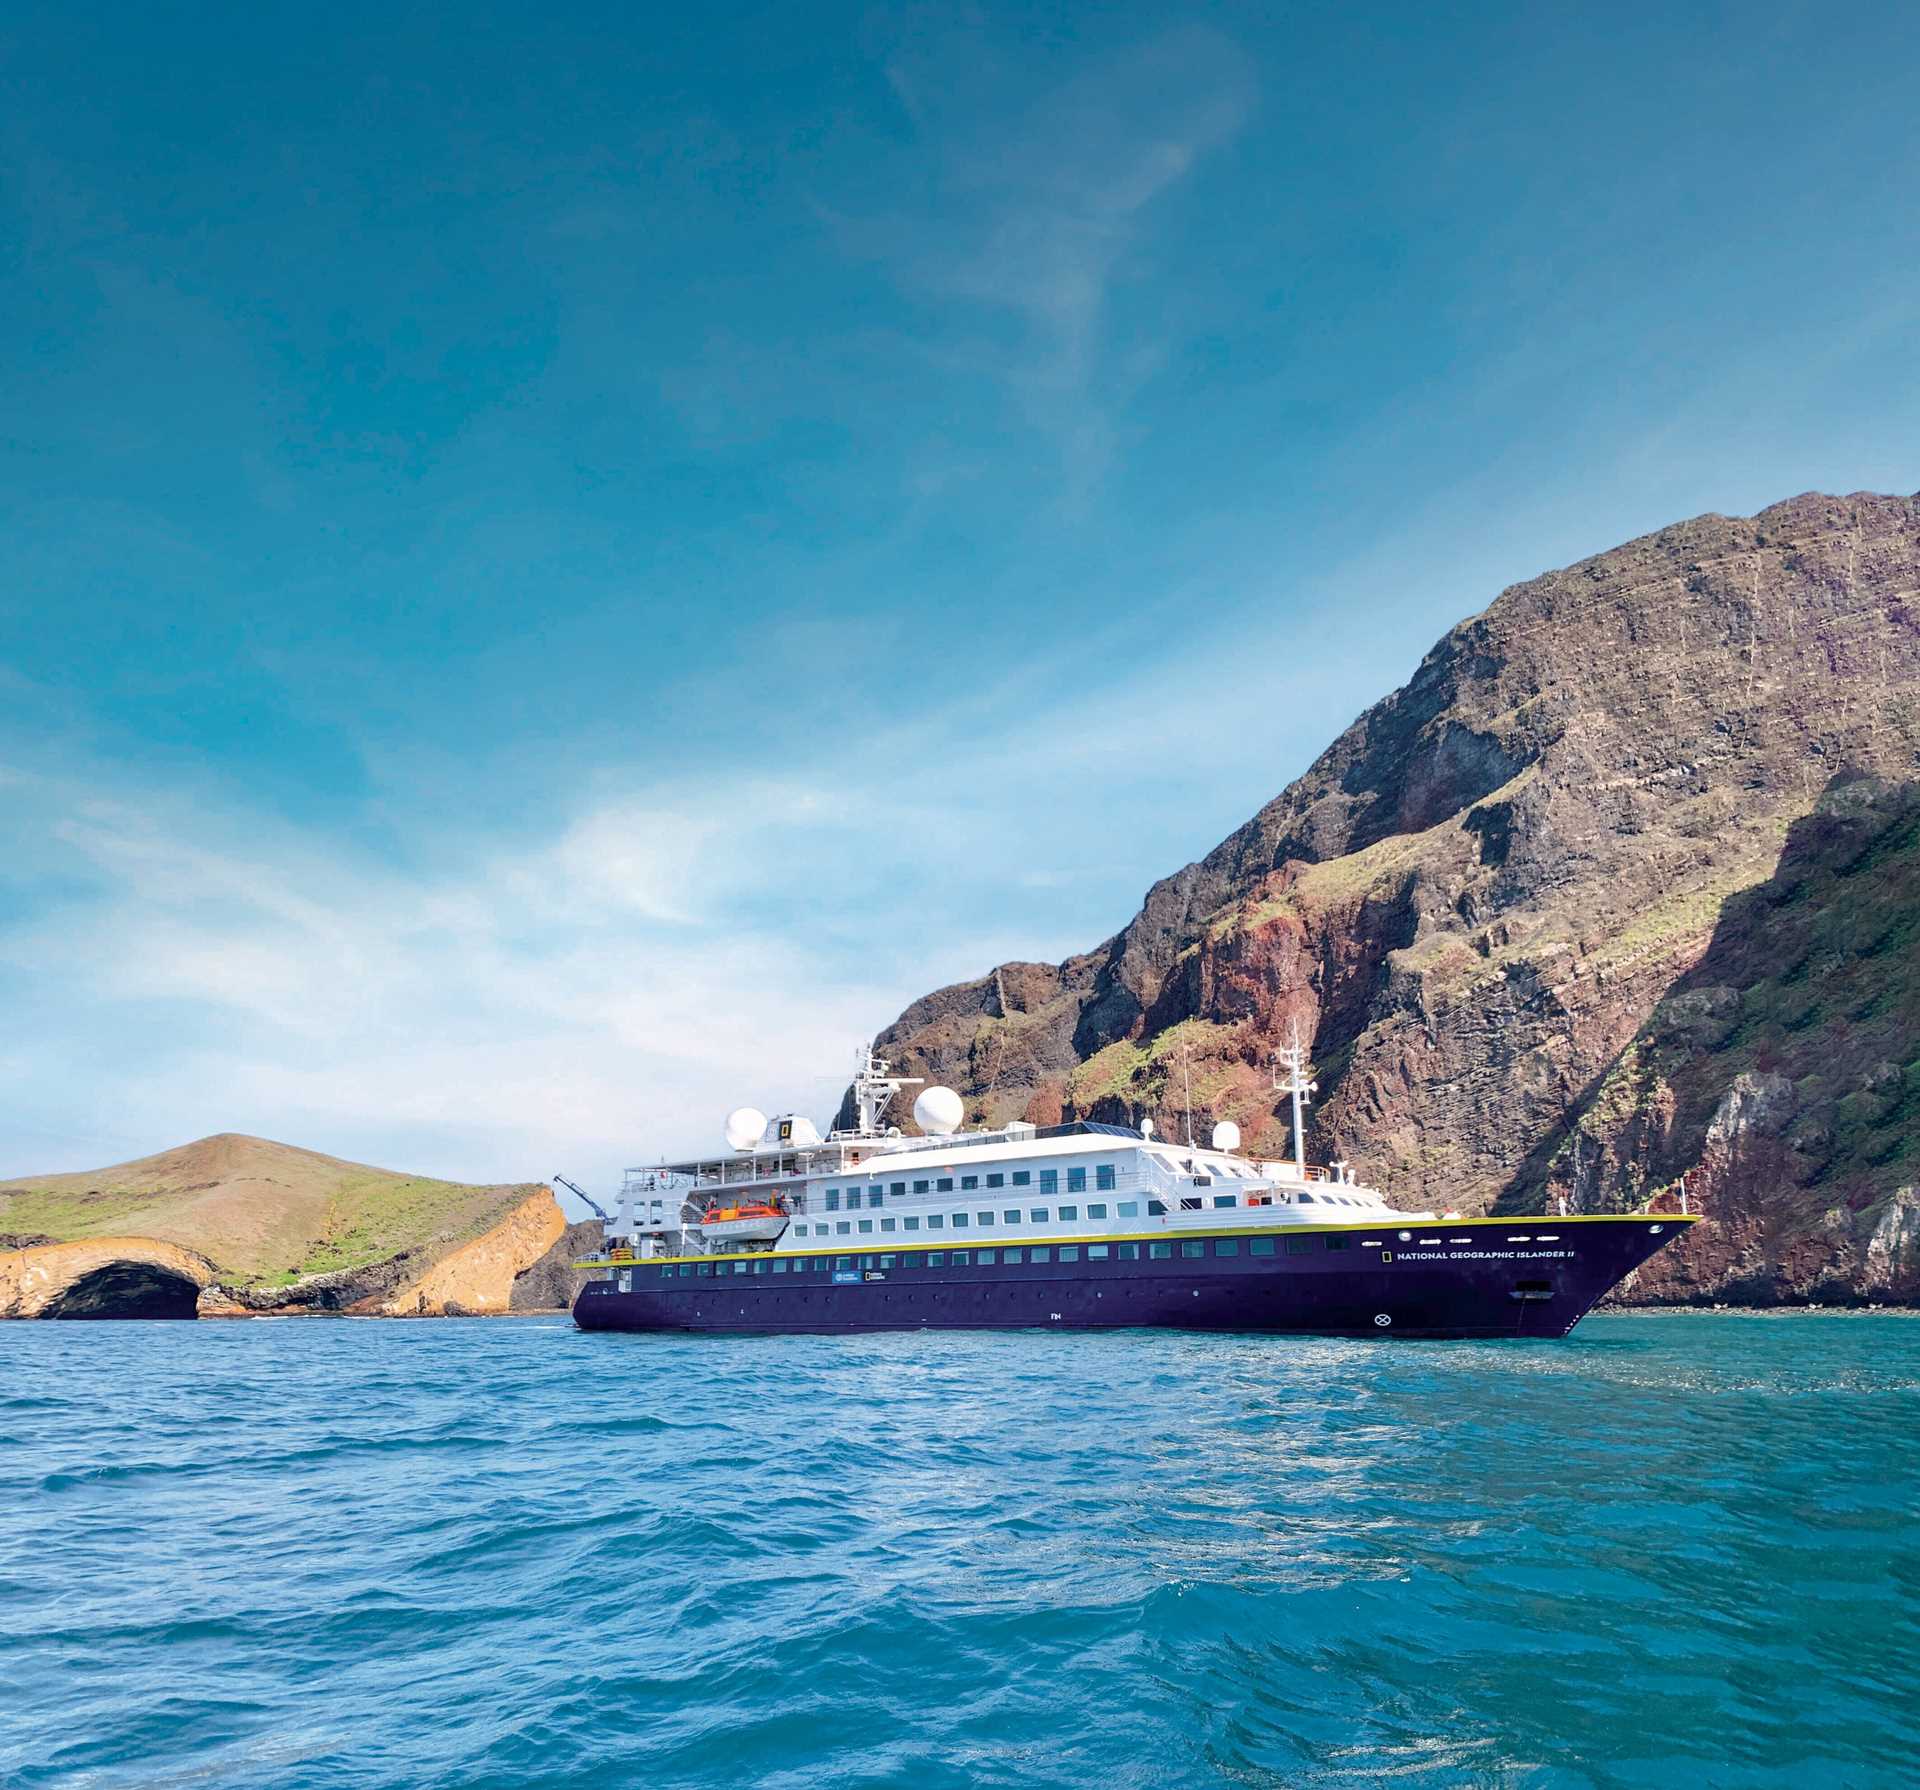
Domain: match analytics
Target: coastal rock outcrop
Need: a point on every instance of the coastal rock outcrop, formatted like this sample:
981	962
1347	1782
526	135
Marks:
1481	897
103	1277
274	1229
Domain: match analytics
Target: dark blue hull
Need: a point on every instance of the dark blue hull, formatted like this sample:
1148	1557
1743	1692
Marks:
1474	1278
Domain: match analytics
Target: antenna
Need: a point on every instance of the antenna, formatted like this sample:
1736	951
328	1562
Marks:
1297	1080
1186	1075
873	1087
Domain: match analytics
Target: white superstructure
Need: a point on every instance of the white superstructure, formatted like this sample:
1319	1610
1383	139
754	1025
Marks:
783	1188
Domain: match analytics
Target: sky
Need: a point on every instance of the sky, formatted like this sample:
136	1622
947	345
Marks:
560	564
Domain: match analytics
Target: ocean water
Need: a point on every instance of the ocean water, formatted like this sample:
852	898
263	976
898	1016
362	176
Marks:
1672	1550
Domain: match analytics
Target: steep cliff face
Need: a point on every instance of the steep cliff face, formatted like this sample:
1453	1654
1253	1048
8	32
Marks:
1477	897
1779	1079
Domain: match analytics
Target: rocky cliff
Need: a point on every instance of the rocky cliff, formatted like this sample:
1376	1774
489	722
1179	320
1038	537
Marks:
1476	901
272	1228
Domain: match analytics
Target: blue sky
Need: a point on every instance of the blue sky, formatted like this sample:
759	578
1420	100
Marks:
558	564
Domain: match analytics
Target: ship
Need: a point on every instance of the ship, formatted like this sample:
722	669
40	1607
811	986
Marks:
1077	1226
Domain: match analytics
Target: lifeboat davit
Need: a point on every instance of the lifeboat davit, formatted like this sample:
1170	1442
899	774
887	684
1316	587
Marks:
743	1224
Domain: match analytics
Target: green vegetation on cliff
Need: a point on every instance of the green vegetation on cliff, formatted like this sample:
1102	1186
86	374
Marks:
263	1213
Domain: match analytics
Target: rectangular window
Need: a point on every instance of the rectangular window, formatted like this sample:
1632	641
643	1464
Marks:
898	1189
1049	1182
706	1270
912	1224
1071	1253
1011	1217
1069	1214
1129	1252
842	1228
936	1221
1192	1247
886	1261
1096	1252
887	1224
833	1199
853	1199
779	1265
1305	1198
1098	1209
1011	1255
843	1261
1128	1209
1039	1255
1226	1246
961	1257
944	1184
936	1258
1159	1251
996	1180
1226	1199
1022	1177
1260	1246
1037	1215
1339	1242
866	1227
984	1257
968	1183
921	1186
866	1261
1302	1245
1076	1180
743	1267
686	1268
799	1230
1103	1176
983	1218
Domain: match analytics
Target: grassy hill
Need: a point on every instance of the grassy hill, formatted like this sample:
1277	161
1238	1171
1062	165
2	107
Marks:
263	1213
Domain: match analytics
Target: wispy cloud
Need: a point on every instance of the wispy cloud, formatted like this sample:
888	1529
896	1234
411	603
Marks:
1039	199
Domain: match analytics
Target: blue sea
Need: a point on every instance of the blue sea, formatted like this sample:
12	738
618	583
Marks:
1674	1550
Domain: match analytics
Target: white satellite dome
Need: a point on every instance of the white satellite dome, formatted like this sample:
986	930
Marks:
1226	1135
746	1126
938	1112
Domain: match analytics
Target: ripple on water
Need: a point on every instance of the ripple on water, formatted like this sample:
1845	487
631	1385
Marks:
424	1555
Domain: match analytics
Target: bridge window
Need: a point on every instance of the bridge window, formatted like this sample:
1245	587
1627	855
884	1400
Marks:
898	1189
853	1198
1022	1177
833	1199
944	1184
1049	1182
996	1180
1103	1177
1076	1180
1304	1197
968	1183
921	1186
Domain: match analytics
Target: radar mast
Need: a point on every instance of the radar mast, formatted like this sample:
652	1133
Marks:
1293	1075
873	1087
